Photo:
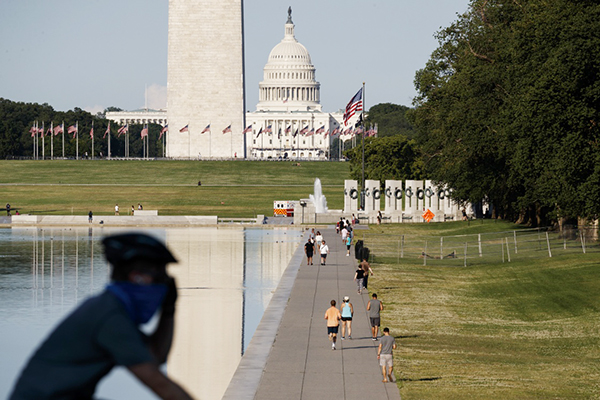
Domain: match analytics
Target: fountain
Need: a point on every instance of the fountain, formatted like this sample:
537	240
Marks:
318	198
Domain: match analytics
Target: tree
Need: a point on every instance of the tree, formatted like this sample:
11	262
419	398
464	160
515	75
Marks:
393	157
390	119
507	108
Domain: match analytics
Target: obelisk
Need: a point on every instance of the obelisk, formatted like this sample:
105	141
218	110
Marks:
205	79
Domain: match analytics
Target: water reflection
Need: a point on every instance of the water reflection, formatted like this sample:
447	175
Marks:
226	277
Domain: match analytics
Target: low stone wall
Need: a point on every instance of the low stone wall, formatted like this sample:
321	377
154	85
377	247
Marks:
113	220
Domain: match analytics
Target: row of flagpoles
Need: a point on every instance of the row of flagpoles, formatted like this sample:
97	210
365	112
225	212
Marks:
354	107
36	132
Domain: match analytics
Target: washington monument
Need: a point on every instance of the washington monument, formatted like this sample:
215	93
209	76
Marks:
205	79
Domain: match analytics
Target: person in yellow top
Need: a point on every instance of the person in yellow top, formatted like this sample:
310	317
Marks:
333	316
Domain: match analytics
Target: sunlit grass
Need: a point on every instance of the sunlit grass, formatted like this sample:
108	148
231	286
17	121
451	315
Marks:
229	188
527	329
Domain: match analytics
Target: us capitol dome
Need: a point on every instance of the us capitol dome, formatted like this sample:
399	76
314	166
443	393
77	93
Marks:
289	121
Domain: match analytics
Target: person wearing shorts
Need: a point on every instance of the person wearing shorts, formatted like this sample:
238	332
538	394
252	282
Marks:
374	307
384	354
348	245
324	249
333	316
309	248
347	312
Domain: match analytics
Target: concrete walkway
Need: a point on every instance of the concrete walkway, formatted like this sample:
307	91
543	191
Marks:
300	362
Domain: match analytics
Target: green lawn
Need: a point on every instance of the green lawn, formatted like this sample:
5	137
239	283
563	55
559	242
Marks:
528	329
229	188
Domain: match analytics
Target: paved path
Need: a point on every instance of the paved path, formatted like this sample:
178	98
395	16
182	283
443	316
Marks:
301	364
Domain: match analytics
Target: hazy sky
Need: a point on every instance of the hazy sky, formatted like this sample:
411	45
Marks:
98	53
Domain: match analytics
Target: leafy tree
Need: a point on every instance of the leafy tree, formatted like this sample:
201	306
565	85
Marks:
390	119
507	108
393	157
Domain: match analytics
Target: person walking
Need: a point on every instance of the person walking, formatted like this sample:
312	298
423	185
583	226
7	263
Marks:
319	239
374	307
103	332
312	234
7	209
385	355
324	250
367	270
116	209
333	316
90	216
348	245
347	311
344	234
132	209
379	217
358	278
309	249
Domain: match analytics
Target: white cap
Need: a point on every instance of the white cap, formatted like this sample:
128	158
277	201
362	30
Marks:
346	298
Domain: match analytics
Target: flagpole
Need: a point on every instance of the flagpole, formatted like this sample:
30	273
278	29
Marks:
34	129
92	139
362	199
52	140
43	141
109	140
77	140
63	138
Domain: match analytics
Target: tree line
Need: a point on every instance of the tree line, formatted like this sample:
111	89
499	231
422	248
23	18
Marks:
507	111
16	141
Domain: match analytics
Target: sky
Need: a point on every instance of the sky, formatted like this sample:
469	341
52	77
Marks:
94	54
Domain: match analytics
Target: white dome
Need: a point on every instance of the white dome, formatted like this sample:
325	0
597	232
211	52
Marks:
289	77
289	52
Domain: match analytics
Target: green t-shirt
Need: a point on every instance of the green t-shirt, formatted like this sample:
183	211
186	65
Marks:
83	348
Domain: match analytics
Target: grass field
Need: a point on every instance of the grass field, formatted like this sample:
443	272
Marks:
229	188
528	329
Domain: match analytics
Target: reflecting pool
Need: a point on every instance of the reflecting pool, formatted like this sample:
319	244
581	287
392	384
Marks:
225	277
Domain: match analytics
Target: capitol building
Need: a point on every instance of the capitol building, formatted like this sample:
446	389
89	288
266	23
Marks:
288	123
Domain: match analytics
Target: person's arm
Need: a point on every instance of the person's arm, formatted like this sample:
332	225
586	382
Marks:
379	351
161	340
151	376
351	310
380	306
394	345
369	305
325	314
355	275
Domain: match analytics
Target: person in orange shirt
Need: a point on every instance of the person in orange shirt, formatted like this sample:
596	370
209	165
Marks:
333	316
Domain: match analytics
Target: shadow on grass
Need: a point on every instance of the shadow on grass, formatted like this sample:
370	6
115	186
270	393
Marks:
406	336
436	378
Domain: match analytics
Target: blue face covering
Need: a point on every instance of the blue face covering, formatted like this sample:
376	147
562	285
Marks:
140	301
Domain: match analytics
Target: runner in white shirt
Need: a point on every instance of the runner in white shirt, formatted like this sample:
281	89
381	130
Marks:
324	251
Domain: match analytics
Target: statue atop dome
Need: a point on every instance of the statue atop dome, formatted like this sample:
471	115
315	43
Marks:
289	21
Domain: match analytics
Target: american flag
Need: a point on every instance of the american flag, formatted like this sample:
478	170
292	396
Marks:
268	129
49	131
162	131
304	130
58	129
144	132
355	105
248	129
320	130
123	129
107	130
226	130
207	129
92	133
73	129
312	132
259	132
288	129
296	133
33	131
335	131
327	133
185	129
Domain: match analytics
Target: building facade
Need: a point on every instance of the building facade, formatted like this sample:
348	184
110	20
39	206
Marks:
205	97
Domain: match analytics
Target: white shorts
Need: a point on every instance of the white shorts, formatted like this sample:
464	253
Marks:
385	360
